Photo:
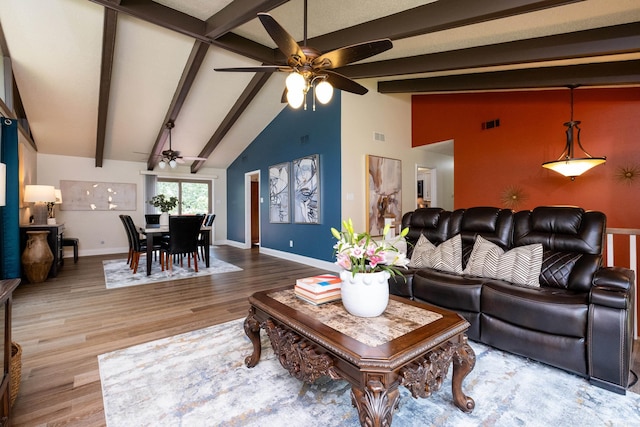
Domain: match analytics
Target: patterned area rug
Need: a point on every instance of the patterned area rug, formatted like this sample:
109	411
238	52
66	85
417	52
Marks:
199	379
117	273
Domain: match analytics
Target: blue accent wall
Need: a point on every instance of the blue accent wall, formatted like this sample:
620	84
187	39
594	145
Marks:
291	135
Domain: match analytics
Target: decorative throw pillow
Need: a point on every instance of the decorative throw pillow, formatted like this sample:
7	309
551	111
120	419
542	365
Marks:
446	257
520	265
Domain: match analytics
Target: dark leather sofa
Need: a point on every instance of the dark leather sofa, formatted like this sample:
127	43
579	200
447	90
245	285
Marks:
581	317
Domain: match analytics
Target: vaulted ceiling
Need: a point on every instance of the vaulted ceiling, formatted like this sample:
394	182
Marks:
101	78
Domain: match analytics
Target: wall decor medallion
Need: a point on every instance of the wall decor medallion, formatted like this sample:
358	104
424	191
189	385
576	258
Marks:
384	192
279	193
513	196
306	186
627	174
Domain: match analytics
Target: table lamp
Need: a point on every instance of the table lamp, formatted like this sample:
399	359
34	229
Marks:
40	195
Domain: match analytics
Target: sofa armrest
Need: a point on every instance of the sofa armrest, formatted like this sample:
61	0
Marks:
613	287
610	328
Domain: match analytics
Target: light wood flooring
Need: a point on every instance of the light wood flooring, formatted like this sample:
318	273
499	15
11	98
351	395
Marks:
66	322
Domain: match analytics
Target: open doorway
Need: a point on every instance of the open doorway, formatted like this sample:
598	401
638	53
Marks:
252	201
426	189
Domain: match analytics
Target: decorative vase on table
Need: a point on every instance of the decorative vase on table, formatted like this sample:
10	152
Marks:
164	219
37	257
365	294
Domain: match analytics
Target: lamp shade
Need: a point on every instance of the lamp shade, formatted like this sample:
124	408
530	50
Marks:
574	167
324	92
295	98
58	194
3	184
39	193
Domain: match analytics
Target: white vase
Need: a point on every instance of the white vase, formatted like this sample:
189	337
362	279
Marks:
365	294
164	219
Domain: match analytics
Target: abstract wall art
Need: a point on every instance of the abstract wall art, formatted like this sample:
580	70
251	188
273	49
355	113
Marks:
384	192
306	190
279	193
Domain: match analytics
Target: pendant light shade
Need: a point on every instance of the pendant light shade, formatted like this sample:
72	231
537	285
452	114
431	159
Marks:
568	164
324	92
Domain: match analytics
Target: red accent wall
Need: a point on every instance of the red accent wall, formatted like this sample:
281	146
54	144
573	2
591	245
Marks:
488	162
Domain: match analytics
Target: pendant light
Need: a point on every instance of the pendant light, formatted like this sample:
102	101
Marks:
568	164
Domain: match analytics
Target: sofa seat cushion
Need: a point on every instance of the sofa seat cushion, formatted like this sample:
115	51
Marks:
550	310
451	291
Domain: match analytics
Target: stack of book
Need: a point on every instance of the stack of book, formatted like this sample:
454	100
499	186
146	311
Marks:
318	289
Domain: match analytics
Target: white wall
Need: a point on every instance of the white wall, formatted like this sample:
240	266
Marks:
101	232
391	116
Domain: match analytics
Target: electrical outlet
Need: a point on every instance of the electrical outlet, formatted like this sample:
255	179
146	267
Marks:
290	243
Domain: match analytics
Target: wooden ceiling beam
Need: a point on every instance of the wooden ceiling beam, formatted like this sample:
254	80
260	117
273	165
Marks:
429	18
106	67
616	39
193	65
595	74
237	13
241	104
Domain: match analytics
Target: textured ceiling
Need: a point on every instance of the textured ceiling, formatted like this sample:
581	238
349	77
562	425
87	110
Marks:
56	46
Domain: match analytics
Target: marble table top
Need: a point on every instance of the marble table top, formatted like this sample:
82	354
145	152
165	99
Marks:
398	319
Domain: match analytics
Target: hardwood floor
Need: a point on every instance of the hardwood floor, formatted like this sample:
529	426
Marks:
66	322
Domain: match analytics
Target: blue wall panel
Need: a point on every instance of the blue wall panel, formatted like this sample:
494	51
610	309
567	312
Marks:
291	135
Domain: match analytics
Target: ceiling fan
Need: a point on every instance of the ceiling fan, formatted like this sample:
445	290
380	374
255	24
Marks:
309	68
171	156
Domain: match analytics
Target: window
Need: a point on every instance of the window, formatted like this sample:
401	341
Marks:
194	197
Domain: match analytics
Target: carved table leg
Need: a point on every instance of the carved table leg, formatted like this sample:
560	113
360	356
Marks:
464	359
375	403
252	329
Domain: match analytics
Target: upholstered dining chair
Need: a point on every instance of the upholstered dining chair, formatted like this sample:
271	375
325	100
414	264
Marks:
152	219
183	240
126	229
138	244
202	240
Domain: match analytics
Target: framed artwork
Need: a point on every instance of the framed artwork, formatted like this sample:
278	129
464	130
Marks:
279	193
384	192
97	196
306	189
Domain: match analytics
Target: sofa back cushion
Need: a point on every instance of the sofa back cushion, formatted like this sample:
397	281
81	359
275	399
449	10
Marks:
493	224
432	223
572	239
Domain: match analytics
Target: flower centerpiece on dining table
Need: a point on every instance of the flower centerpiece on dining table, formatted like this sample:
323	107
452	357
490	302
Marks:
366	267
165	204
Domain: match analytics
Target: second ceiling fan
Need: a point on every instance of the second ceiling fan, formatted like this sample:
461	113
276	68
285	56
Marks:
308	68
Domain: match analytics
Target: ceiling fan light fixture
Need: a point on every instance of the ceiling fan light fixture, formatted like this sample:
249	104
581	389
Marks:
295	98
173	163
324	92
162	164
295	82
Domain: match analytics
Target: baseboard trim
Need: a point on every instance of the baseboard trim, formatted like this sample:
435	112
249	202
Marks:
325	265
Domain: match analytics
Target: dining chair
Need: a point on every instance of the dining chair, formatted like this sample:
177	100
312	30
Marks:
202	239
138	244
126	229
183	240
152	219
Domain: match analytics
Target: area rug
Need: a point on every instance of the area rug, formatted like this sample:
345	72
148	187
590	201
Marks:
199	379
117	273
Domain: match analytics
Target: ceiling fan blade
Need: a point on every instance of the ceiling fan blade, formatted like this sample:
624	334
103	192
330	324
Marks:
341	82
283	39
284	96
343	56
259	69
193	158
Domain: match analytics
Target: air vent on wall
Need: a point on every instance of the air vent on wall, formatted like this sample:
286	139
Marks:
378	136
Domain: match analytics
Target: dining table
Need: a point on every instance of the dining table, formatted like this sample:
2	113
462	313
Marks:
153	231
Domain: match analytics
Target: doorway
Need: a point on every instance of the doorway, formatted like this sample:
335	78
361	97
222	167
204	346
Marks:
252	201
426	189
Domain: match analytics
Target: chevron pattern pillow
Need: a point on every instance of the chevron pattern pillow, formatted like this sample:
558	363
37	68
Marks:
445	257
521	265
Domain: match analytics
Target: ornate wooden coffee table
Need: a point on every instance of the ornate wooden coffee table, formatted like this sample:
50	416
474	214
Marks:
410	344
